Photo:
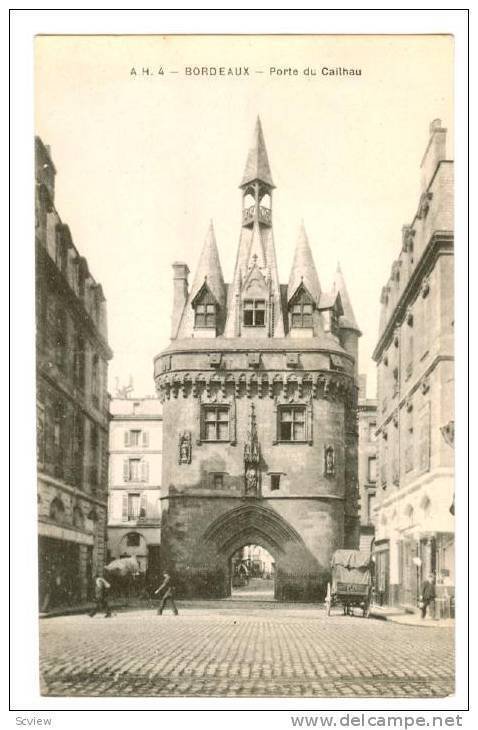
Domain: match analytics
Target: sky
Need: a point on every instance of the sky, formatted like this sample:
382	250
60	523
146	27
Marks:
145	161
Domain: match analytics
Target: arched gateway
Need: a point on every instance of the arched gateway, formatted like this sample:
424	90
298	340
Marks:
259	412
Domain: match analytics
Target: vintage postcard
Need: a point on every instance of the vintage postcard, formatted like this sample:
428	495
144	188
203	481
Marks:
245	365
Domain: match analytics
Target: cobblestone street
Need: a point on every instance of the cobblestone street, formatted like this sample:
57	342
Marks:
250	650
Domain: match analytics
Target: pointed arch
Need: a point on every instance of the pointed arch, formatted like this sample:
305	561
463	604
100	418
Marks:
251	523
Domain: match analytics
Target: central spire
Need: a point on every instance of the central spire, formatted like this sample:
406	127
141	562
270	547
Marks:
257	165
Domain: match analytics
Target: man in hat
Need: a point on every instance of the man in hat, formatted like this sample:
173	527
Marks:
427	594
101	587
167	590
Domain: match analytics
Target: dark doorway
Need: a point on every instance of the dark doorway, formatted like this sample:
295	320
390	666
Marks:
253	572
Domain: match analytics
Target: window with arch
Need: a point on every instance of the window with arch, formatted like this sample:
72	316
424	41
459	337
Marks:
60	338
95	380
79	362
57	510
133	539
59	416
78	517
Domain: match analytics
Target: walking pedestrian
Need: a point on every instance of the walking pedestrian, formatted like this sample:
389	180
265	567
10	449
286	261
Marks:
167	590
101	588
427	594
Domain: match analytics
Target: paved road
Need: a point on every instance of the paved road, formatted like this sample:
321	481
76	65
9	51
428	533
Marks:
247	650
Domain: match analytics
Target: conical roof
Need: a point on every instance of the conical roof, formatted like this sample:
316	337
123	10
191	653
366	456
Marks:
257	165
303	268
209	269
348	319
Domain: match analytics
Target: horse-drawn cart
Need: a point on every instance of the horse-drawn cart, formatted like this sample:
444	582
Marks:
351	585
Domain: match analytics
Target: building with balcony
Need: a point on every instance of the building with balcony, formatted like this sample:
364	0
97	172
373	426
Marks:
72	404
367	462
259	397
415	369
135	463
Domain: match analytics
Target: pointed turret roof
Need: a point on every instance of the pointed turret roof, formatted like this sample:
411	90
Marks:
209	269
257	165
348	319
256	251
303	269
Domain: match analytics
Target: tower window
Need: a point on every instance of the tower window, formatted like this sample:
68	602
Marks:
254	312
205	315
275	482
302	315
292	423
301	308
215	423
205	309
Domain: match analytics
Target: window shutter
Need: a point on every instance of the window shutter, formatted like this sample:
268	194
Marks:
126	438
124	513
126	470
145	438
144	471
143	505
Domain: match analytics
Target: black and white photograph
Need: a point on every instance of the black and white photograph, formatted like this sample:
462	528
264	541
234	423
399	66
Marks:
245	366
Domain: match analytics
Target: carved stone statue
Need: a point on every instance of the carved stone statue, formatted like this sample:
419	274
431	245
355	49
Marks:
251	481
329	461
185	448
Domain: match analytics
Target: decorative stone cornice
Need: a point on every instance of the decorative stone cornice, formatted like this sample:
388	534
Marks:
321	384
441	242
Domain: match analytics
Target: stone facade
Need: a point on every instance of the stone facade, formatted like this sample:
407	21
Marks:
260	411
415	367
367	463
135	464
72	404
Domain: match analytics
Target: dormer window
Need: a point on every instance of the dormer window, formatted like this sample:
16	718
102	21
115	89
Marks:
205	309
301	315
254	312
301	308
205	315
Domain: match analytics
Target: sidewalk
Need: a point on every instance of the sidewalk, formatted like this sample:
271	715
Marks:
400	616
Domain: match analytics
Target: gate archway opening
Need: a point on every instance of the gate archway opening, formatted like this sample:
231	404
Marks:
252	573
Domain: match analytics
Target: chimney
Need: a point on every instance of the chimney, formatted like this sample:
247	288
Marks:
434	153
180	296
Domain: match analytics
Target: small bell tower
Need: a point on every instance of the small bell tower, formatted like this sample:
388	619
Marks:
257	185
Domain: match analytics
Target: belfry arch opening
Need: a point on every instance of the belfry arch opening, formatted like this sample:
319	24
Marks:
252	573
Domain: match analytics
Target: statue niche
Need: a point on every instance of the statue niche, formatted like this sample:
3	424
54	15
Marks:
185	448
252	458
329	461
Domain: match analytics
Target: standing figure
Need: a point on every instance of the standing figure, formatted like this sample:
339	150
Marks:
427	594
101	587
167	590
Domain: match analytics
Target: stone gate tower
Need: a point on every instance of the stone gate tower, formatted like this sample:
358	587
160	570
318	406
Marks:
259	393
